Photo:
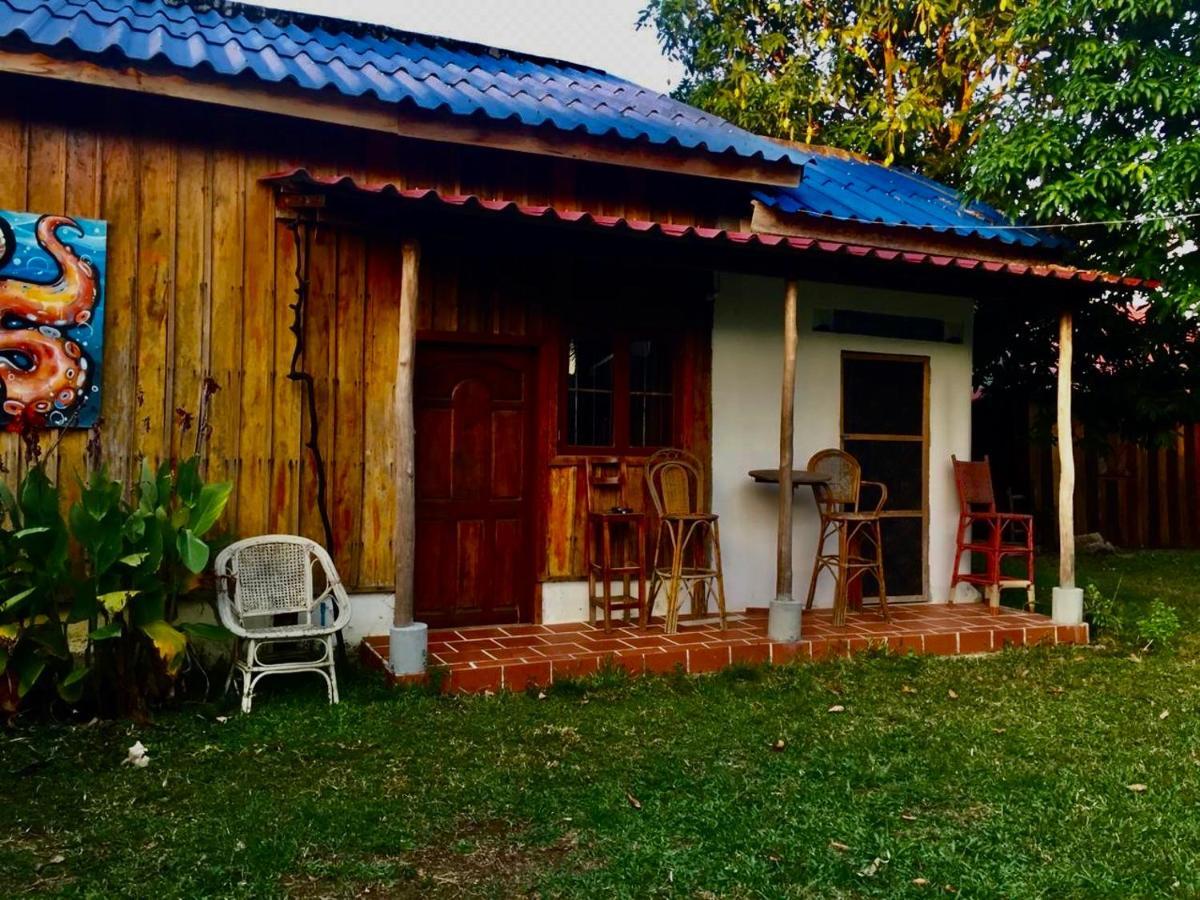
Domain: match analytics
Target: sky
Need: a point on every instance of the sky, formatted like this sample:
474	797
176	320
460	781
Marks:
600	33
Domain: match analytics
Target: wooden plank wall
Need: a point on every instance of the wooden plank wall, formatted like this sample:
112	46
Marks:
201	273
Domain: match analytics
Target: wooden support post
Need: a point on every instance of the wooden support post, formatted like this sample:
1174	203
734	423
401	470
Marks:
406	504
1066	456
787	411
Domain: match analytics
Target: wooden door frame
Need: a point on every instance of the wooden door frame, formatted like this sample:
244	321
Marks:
529	606
911	359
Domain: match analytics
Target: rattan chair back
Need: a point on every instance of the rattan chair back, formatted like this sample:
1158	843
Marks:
845	479
275	575
675	482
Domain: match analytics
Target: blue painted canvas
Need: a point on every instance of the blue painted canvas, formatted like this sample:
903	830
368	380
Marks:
51	320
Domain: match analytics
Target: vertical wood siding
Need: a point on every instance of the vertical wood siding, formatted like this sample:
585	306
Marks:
201	275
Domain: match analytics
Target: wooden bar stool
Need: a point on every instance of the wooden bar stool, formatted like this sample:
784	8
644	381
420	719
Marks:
611	525
687	551
1006	535
858	532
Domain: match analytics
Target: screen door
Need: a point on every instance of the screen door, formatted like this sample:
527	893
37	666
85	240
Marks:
885	426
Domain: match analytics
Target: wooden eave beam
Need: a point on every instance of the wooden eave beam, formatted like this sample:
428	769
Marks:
375	115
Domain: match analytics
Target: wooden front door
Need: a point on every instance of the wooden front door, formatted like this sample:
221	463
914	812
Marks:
474	415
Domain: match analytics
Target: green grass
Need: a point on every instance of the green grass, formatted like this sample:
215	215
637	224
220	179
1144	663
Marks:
1013	785
1135	579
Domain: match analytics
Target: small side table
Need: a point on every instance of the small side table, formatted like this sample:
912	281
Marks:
609	531
817	481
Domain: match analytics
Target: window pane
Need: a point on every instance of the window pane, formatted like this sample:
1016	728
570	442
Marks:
883	396
649	367
589	392
650	421
651	402
898	464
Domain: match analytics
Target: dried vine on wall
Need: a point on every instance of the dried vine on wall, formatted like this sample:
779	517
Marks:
303	232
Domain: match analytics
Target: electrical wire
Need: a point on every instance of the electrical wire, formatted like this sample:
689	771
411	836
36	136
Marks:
1140	220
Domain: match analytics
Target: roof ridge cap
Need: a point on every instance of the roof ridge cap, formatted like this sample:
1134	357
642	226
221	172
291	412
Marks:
334	25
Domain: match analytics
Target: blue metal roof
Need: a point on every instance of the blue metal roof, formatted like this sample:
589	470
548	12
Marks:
431	73
458	78
839	186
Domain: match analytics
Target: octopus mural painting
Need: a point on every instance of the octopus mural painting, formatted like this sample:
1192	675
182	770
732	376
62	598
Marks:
51	320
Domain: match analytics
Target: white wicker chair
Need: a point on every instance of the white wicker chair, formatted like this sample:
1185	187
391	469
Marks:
261	579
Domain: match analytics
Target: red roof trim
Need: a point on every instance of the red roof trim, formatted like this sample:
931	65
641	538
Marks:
470	201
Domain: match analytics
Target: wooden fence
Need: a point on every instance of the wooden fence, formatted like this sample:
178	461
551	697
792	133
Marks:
1136	496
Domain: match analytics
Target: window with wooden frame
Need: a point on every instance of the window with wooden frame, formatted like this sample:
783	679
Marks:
618	392
885	426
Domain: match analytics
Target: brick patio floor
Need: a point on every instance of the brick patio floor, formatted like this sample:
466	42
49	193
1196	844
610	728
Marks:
515	657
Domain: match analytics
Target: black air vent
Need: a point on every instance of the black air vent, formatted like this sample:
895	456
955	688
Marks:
907	328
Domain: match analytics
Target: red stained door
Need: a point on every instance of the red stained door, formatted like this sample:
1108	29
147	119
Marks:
474	418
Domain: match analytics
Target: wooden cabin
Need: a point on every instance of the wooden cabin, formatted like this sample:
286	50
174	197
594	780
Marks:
590	268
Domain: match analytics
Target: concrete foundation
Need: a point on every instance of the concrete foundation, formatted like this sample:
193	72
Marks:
407	648
1067	606
783	621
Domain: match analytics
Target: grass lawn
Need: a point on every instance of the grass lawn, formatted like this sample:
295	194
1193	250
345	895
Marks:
1006	775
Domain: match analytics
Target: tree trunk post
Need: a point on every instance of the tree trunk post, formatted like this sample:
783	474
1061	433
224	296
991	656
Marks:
1067	605
408	640
783	623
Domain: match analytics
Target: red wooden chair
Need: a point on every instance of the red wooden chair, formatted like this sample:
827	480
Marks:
1004	535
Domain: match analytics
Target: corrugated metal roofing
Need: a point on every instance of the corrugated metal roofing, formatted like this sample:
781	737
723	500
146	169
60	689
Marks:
846	188
469	202
462	79
431	73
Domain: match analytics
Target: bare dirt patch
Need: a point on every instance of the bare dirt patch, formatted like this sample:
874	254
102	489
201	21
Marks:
492	858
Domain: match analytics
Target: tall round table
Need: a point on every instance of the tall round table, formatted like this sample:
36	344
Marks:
816	481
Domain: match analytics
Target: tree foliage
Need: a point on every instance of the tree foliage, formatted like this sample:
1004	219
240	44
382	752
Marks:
909	83
1054	111
1136	370
1105	125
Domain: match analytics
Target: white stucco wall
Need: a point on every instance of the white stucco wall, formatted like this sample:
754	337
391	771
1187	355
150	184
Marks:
747	367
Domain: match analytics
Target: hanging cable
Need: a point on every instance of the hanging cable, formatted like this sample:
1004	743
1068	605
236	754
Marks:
1139	220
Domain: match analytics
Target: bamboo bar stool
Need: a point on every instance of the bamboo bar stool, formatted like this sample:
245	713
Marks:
606	515
687	550
856	529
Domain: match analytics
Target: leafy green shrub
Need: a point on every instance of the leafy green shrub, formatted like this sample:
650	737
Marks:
136	559
1159	626
1101	609
35	585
